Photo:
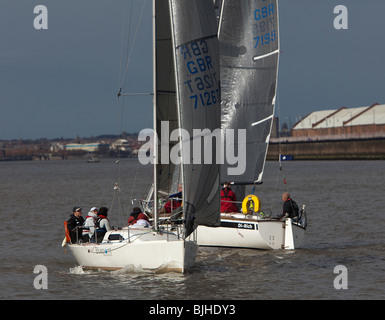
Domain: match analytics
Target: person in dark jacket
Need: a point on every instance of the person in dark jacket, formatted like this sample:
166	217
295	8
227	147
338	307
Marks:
289	208
74	224
102	224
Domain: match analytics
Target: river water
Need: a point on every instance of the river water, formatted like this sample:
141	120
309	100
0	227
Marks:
345	228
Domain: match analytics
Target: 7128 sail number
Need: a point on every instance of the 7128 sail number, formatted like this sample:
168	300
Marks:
201	80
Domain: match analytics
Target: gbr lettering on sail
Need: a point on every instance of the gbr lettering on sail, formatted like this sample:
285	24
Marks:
201	81
264	27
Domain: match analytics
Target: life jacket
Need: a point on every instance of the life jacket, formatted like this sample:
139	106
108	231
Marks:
86	229
67	232
171	205
135	216
97	224
74	226
100	231
226	194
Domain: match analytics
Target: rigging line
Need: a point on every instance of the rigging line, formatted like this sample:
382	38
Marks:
274	201
117	192
113	201
117	161
135	94
117	184
281	176
278	112
121	122
121	113
133	44
122	41
133	185
120	207
125	24
125	45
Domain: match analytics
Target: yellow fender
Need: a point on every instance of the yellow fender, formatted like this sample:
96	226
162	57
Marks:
250	203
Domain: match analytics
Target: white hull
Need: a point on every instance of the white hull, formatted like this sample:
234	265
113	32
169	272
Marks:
249	232
140	248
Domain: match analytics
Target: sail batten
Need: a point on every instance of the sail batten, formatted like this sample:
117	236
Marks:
266	55
261	121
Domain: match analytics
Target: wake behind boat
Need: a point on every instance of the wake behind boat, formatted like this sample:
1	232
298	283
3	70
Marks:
185	36
249	50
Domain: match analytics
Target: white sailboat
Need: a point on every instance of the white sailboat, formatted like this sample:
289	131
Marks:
249	51
185	35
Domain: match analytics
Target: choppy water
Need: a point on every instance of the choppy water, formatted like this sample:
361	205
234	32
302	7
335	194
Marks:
346	221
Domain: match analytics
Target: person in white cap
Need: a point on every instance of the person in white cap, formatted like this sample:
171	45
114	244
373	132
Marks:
89	224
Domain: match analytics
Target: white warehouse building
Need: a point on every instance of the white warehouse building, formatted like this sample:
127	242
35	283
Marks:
358	122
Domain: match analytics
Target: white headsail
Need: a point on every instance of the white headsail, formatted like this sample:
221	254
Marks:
188	97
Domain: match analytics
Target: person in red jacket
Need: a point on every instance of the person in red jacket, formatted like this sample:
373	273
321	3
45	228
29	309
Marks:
136	215
174	202
228	199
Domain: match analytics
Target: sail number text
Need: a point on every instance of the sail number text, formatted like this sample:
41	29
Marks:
202	82
264	26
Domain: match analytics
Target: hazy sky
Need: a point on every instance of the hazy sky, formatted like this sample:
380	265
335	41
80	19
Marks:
63	81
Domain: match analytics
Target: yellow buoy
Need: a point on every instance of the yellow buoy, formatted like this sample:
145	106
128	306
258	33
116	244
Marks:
250	203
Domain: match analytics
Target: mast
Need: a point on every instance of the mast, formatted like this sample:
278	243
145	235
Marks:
154	117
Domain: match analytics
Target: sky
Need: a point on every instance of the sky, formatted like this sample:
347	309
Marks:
62	82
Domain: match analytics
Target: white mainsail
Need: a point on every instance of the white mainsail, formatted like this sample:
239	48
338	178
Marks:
249	51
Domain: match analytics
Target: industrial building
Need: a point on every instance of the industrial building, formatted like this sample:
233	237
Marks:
88	147
344	133
342	123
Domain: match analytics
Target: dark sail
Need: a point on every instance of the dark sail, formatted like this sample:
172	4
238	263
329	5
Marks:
249	50
188	96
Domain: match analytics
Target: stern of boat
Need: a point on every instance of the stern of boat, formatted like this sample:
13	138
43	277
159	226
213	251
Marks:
281	234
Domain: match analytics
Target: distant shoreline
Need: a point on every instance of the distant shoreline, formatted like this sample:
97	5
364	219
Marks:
354	149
